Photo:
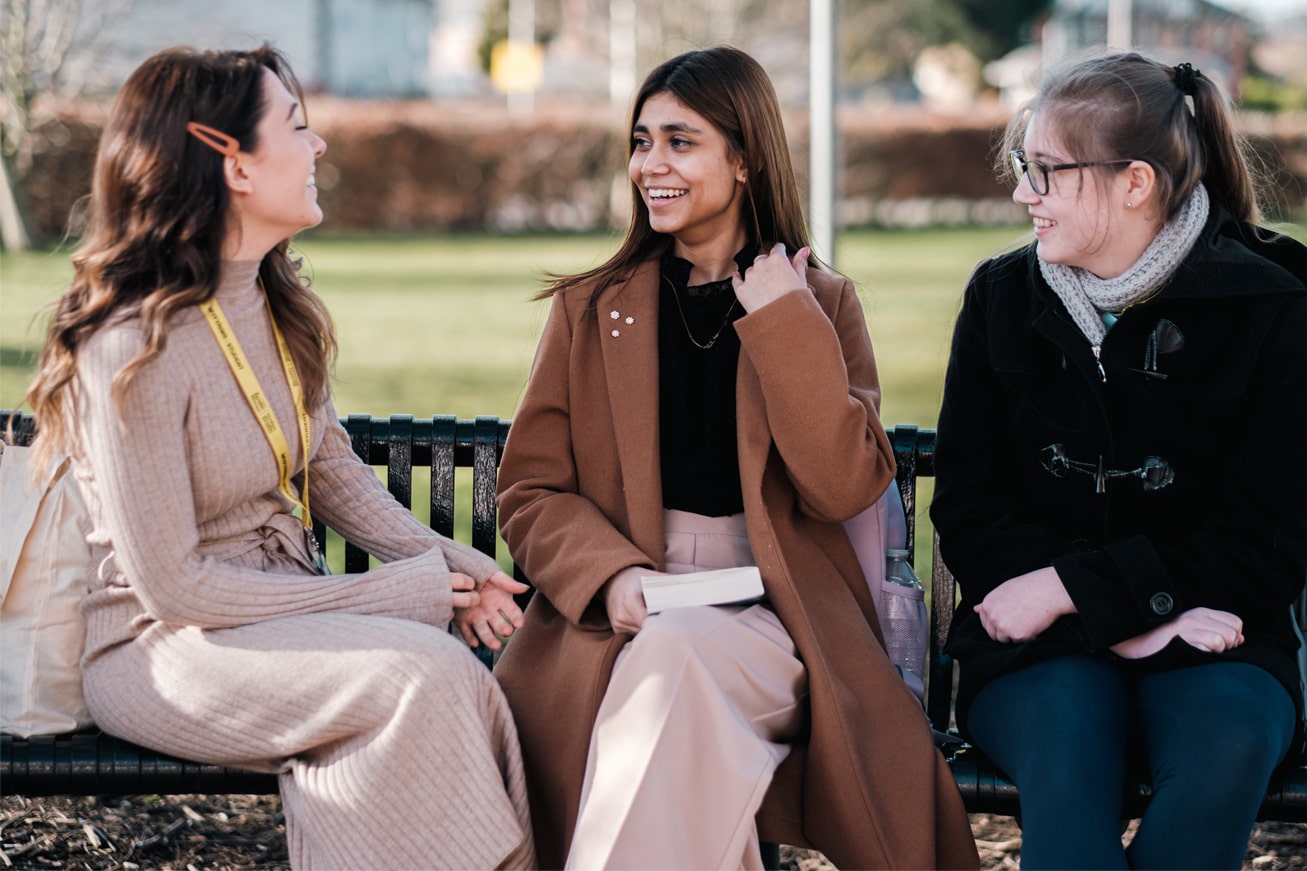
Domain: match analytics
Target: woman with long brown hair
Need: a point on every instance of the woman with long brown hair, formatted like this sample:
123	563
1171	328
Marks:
708	399
186	372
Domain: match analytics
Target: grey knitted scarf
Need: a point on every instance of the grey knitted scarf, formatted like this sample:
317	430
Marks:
1086	296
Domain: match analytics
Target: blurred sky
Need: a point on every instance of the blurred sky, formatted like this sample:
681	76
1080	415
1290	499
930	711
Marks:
1265	9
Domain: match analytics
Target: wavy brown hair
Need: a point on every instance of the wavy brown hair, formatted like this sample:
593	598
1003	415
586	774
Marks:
731	90
157	221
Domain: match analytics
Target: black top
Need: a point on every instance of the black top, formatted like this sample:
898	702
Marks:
696	416
1198	423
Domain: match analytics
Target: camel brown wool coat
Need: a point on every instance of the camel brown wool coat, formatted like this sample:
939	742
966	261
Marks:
580	499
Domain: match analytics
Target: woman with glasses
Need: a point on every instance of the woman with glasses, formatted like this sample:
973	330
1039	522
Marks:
215	633
707	398
1128	555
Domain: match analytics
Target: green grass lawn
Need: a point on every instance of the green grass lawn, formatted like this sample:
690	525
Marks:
446	325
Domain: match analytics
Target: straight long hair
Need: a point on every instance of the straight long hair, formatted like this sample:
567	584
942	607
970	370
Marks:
157	221
732	91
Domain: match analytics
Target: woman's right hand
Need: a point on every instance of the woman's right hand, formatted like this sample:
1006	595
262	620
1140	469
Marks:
1022	607
771	276
624	599
1204	628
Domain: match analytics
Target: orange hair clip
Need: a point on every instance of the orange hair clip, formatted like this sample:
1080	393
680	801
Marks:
215	139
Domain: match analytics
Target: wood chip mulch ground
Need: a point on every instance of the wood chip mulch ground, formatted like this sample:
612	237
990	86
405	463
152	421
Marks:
195	832
143	832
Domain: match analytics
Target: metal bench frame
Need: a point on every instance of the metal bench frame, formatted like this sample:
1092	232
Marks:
94	763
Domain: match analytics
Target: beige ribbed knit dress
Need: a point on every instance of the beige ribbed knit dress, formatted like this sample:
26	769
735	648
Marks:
211	638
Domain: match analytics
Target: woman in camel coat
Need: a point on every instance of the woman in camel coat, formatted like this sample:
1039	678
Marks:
590	479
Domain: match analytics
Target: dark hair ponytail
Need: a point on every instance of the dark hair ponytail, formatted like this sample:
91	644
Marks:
1226	174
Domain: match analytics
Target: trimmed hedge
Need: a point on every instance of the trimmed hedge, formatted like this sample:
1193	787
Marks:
424	166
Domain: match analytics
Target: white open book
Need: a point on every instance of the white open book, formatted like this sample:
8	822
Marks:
716	587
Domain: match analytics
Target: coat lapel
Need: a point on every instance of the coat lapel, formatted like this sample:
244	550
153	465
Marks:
628	339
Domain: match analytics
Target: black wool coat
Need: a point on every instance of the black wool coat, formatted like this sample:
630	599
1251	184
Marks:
1174	478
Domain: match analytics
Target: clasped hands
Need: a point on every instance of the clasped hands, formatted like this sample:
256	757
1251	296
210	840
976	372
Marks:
1022	607
488	614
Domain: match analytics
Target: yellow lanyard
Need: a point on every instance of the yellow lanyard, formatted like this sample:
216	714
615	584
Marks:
249	383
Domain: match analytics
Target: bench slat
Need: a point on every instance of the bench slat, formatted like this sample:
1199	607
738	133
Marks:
100	764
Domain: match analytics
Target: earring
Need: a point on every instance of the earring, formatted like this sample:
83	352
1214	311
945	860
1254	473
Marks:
1129	204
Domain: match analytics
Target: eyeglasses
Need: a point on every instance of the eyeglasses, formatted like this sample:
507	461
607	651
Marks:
1039	178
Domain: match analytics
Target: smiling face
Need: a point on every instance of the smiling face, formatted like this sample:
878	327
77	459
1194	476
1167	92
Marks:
1081	221
687	175
1070	224
275	191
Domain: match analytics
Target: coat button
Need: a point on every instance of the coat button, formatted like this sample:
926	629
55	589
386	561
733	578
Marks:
1161	603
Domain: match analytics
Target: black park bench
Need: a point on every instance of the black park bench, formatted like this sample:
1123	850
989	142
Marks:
94	763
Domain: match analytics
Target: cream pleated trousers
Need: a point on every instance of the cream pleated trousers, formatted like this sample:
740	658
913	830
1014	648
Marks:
700	710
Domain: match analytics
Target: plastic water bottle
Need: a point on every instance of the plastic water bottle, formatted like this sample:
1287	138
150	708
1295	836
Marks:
903	619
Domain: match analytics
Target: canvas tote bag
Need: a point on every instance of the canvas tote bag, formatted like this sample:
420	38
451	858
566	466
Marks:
45	572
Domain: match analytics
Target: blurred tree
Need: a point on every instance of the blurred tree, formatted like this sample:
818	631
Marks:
35	83
882	38
34	40
495	26
879	39
663	27
1000	25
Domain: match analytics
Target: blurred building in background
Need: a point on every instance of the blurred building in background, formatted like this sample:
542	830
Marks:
352	48
442	48
423	135
589	48
1213	38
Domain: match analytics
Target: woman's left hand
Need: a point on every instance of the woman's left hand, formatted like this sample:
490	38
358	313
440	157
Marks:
1204	628
495	616
771	276
1022	607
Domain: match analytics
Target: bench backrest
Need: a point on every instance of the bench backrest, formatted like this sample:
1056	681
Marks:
444	444
402	443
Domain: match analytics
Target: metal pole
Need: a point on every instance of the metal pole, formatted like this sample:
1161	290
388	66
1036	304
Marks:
1120	23
521	35
621	51
822	56
326	56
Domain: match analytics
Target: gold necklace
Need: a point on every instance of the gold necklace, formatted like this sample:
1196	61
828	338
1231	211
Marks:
715	336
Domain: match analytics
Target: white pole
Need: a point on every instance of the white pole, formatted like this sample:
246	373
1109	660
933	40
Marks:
1120	24
621	51
522	36
822	56
13	229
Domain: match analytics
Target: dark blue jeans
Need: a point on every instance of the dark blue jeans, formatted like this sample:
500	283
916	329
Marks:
1064	730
